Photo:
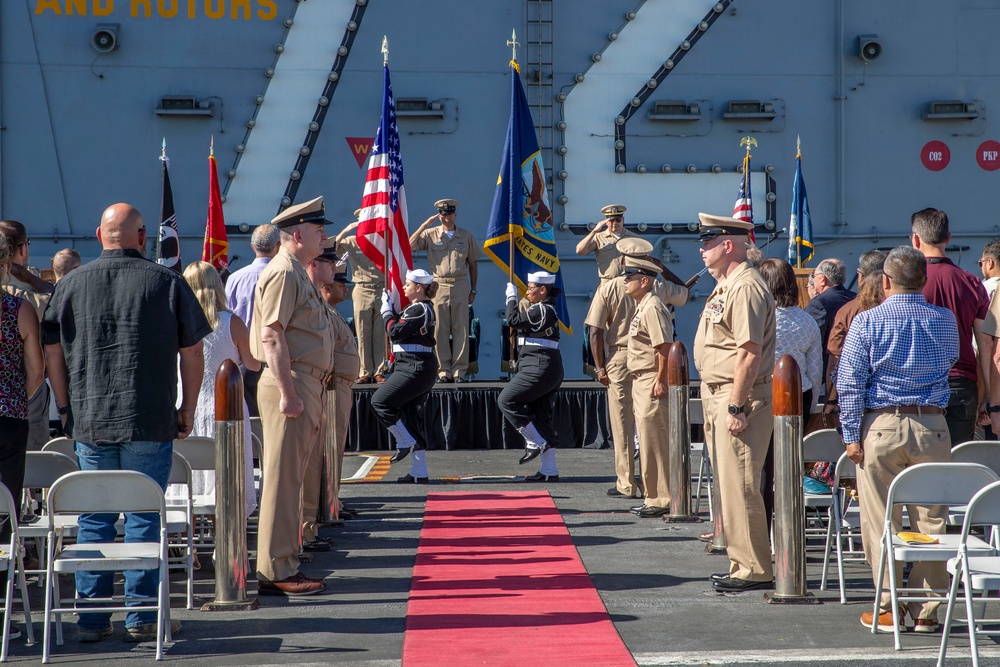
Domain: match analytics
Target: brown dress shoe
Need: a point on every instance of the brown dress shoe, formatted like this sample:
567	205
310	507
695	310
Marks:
297	585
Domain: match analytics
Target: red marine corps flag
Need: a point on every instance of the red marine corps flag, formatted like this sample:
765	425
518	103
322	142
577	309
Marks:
216	249
382	232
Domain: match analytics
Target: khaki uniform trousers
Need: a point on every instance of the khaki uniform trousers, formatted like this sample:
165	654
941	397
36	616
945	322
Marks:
344	401
288	446
651	421
622	417
451	309
737	465
343	398
891	444
367	300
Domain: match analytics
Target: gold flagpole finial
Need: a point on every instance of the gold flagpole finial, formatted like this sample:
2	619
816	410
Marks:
211	147
513	44
798	146
385	50
163	149
748	142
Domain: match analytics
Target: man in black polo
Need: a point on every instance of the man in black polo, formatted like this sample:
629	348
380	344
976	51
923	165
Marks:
112	332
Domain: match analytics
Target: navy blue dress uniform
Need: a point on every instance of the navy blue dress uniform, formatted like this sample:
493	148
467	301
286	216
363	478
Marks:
527	399
398	401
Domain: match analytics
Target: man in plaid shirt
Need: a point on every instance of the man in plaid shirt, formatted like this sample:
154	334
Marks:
893	385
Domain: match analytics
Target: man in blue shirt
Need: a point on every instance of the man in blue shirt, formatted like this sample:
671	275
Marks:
893	385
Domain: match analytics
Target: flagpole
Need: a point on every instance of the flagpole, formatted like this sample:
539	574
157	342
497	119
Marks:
798	231
385	232
513	44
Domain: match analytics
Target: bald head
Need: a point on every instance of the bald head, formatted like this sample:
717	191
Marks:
122	228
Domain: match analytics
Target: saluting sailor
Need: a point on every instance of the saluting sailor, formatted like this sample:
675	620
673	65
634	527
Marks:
397	402
603	239
527	399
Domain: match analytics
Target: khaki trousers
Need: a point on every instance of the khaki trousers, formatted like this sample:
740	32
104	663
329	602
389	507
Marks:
651	421
367	300
451	309
288	446
344	401
620	412
737	467
891	444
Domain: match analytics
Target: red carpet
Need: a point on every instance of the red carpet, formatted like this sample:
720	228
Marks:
498	582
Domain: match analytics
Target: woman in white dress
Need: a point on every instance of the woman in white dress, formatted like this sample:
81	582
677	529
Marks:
229	340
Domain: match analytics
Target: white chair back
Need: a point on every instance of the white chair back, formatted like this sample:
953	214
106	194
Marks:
939	483
43	468
180	471
111	491
978	451
695	411
62	445
984	508
199	452
822	445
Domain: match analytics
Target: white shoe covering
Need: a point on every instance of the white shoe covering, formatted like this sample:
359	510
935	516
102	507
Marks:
418	463
532	438
403	438
548	458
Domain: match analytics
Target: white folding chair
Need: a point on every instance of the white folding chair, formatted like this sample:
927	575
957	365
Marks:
843	526
258	470
12	560
926	484
63	446
199	452
981	573
180	525
696	415
822	445
106	491
41	470
987	453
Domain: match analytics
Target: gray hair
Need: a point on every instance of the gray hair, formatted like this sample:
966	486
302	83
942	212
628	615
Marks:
871	262
754	256
833	269
265	239
906	268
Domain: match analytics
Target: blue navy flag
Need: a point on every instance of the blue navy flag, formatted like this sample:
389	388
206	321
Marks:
800	230
521	215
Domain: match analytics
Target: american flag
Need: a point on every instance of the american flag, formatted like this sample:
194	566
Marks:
382	232
743	210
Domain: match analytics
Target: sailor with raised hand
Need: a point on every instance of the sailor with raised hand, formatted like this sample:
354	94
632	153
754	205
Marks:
397	402
526	401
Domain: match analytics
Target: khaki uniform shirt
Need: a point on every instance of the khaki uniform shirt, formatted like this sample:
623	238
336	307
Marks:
286	296
739	311
363	269
603	247
346	362
448	258
612	309
649	328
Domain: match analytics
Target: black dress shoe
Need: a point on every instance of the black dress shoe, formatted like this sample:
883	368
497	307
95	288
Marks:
400	454
735	585
613	492
460	380
648	511
344	509
531	453
718	576
317	545
346	516
444	379
539	477
410	479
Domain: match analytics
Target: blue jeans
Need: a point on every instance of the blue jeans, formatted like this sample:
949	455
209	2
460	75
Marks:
153	459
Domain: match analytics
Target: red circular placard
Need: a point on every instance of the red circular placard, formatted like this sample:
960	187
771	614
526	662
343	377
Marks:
935	155
988	155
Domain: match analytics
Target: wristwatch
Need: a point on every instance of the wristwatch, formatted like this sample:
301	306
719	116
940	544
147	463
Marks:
735	409
992	408
63	410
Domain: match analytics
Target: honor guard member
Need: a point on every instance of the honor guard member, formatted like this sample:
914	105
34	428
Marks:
527	399
366	298
602	241
609	319
397	403
451	254
293	336
346	360
650	335
733	352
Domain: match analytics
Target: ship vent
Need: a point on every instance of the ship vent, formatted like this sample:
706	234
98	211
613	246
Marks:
675	110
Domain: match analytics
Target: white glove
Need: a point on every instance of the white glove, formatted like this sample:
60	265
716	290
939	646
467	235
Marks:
388	307
511	292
